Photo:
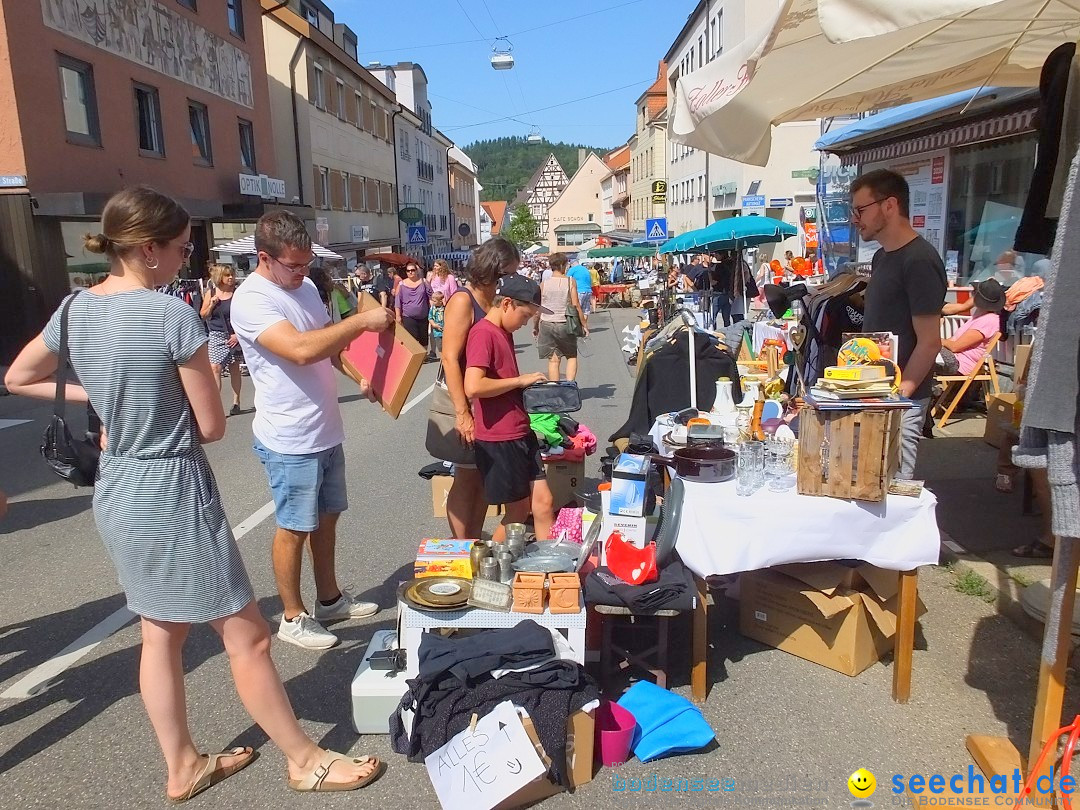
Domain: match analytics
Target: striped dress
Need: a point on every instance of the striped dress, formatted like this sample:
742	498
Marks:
156	503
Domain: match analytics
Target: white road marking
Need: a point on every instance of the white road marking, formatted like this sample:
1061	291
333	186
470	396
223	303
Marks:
6	423
42	675
417	399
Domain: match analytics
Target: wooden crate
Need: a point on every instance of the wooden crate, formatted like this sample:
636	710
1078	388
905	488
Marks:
863	453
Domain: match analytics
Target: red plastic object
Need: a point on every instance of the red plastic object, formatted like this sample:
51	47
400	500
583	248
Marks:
1073	730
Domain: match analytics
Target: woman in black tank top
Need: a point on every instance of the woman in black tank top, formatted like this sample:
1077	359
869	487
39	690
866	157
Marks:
466	504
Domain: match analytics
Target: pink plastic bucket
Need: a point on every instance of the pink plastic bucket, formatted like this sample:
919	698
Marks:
614	733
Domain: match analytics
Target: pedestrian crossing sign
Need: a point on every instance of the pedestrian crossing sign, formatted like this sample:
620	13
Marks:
656	230
417	235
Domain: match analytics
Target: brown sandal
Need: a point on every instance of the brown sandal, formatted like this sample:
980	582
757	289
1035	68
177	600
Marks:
315	782
211	774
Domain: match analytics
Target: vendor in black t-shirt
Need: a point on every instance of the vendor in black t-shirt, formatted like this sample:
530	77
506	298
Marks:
905	294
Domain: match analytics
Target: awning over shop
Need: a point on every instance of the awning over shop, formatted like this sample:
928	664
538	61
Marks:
246	247
621	252
624	237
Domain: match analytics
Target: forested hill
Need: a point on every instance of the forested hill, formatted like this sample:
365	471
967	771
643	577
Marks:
506	164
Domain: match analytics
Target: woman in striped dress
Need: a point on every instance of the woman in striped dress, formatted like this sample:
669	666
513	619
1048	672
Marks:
143	363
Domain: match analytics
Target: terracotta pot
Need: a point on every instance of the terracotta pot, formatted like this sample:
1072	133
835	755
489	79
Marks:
564	593
529	592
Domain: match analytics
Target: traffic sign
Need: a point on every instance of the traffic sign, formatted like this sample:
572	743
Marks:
417	235
754	201
656	230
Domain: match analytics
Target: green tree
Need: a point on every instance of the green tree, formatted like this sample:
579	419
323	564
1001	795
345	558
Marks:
523	227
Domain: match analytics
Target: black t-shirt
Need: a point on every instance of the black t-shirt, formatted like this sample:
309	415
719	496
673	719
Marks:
905	283
220	319
722	276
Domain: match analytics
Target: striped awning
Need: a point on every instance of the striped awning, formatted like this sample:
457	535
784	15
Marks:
1001	126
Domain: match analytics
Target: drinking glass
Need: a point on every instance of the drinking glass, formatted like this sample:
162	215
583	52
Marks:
749	467
778	467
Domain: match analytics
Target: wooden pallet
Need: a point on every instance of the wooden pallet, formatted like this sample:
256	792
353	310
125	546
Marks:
848	454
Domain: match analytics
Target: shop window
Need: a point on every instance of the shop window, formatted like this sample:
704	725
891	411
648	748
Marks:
235	11
80	102
148	115
201	148
247	145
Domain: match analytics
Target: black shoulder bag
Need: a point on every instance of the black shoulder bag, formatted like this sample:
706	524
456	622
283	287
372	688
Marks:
74	461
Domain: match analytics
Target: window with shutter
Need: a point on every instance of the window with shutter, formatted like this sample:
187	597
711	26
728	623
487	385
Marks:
373	196
393	203
380	124
337	191
320	202
328	92
352	100
369	116
356	192
360	198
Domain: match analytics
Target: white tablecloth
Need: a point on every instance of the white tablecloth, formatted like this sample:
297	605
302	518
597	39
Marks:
722	533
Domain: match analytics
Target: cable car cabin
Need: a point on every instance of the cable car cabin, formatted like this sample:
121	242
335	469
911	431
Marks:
502	60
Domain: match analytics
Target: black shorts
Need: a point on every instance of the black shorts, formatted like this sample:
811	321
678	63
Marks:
509	467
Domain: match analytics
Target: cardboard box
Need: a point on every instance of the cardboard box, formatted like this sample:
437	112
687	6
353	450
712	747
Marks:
629	480
842	617
564	480
390	361
1000	409
1021	360
580	731
440	488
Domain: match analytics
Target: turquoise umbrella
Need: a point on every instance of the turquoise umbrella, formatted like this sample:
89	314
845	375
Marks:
740	232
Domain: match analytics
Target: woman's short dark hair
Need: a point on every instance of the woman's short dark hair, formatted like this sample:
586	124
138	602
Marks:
885	183
487	261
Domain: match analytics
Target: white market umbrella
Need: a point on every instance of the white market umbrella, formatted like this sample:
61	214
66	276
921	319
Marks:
824	58
246	247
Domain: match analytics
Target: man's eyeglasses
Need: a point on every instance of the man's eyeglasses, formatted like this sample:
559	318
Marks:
412	270
295	268
856	212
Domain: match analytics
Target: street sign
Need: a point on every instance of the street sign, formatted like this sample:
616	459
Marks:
12	180
805	174
780	202
410	215
417	235
359	233
656	230
753	201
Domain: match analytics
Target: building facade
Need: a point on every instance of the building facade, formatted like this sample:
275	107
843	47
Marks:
102	96
575	217
496	212
332	129
703	187
543	188
464	201
648	150
615	191
423	177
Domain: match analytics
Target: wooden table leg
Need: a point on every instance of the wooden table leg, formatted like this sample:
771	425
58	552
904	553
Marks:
1050	696
699	684
904	641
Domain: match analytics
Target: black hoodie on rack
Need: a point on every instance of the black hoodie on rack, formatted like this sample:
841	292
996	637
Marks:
663	385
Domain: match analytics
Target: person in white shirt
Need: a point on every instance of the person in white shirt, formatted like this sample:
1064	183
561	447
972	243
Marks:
291	350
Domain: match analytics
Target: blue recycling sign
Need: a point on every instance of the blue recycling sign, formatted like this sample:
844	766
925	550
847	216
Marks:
656	230
417	235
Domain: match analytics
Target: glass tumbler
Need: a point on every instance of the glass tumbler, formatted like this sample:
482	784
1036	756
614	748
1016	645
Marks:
778	467
749	467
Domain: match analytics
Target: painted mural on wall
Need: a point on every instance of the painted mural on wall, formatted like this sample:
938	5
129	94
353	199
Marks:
153	35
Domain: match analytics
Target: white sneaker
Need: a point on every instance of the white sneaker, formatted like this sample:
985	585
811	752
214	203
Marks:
304	631
346	607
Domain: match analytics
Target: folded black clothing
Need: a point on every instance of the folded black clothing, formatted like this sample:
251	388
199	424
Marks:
569	425
437	468
674	590
475	656
443	708
641	444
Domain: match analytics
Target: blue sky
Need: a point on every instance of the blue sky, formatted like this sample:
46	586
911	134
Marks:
618	48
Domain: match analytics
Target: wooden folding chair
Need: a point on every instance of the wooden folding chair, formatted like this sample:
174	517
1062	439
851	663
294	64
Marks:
985	370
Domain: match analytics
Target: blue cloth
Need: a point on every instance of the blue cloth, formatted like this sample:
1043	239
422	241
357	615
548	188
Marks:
305	485
580	274
666	723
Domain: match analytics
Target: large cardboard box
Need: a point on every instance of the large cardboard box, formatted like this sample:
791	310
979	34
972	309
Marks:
580	731
390	361
440	488
564	480
999	419
842	617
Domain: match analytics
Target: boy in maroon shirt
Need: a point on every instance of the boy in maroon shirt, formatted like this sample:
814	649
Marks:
507	452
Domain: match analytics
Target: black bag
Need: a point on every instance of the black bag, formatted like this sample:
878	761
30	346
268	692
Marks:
552	397
74	461
573	323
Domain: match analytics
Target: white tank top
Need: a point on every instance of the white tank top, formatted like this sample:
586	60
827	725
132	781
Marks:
553	295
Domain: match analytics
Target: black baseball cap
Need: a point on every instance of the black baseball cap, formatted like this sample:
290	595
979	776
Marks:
522	289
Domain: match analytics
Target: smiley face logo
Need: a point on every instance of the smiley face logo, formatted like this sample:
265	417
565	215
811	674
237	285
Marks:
862	784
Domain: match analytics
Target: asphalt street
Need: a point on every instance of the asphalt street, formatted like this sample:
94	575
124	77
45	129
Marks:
789	732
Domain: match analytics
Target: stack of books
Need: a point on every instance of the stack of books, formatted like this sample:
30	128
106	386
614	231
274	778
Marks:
854	384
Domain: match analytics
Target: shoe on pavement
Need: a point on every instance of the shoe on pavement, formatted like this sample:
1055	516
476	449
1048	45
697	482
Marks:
304	631
346	607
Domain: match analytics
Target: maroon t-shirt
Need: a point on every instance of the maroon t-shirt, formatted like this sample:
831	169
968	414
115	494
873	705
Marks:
501	418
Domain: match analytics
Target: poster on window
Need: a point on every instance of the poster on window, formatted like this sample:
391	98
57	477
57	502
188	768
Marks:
927	175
